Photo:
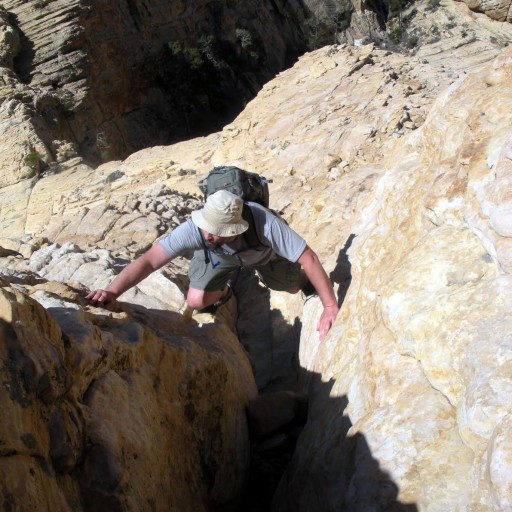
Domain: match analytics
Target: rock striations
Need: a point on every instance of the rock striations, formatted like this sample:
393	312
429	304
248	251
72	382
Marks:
113	77
397	170
414	398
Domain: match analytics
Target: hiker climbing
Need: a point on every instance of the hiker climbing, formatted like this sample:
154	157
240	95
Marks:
227	234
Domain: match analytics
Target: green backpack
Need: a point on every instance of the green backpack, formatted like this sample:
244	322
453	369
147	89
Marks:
247	185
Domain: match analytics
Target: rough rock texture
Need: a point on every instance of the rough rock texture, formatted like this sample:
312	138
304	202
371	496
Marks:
412	388
132	410
114	77
497	10
110	78
388	93
396	169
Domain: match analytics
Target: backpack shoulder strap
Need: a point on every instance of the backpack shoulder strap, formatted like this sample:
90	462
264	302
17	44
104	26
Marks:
205	249
251	235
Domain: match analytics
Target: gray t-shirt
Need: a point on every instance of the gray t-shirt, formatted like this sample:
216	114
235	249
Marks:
271	229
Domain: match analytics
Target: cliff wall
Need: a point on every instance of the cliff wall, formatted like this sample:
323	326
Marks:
396	170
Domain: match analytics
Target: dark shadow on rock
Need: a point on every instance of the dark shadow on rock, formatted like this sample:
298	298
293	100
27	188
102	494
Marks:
333	470
316	463
271	342
313	464
342	274
310	462
24	61
99	472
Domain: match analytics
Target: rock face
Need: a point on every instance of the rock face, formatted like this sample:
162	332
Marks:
396	169
415	391
108	79
501	10
115	77
413	405
132	410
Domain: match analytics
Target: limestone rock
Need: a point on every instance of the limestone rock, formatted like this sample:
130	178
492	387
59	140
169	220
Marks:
66	45
415	378
9	41
410	393
102	410
500	10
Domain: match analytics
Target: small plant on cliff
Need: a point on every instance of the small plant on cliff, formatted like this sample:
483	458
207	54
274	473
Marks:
433	4
244	36
103	146
208	50
395	8
412	42
396	34
66	99
33	160
325	27
192	56
245	39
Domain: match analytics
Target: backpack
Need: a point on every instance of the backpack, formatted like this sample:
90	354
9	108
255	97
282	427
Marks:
247	185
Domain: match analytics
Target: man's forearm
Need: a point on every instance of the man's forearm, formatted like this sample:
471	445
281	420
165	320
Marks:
130	276
139	269
323	286
318	277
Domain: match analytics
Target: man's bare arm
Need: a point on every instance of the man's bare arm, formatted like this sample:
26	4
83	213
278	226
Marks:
132	274
323	286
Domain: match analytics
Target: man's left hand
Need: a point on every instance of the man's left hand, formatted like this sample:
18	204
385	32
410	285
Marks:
327	319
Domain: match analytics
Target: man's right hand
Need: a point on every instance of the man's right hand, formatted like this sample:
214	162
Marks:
131	275
102	298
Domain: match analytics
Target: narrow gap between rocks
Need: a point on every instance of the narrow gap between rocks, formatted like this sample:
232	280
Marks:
276	417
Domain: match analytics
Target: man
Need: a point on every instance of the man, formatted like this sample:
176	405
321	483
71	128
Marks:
283	260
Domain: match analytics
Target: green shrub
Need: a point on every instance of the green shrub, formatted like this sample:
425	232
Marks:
244	36
176	48
208	50
33	160
433	4
412	42
397	34
66	99
189	54
395	7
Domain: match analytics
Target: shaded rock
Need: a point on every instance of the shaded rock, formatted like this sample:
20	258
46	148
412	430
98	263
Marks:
272	413
409	394
66	388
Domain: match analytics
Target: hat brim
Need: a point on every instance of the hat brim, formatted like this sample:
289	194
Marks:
225	230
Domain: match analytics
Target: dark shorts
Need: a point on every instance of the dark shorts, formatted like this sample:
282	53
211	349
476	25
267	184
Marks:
279	274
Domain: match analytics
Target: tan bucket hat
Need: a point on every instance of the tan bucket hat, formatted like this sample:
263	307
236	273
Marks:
221	215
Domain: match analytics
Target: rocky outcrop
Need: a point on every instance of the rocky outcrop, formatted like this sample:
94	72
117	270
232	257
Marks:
396	170
412	408
130	410
115	77
500	10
